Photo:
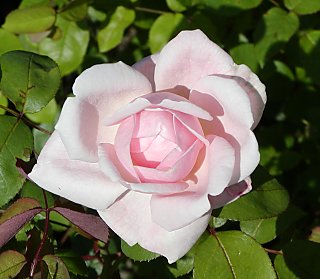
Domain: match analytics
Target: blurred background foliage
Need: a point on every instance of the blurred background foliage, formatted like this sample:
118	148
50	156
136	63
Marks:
278	39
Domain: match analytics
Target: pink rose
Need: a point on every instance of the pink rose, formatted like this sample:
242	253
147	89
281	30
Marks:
156	146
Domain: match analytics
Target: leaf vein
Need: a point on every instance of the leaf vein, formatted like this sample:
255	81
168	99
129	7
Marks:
226	255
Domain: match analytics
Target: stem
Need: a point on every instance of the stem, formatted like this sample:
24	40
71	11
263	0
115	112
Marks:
274	3
30	123
10	111
25	120
276	252
43	240
152	11
211	231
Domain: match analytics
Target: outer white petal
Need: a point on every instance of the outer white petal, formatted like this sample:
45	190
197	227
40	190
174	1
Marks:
254	88
130	218
160	99
80	182
224	98
146	66
187	58
231	193
78	128
100	91
221	165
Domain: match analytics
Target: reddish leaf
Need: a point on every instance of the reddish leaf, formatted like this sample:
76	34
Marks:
10	227
21	205
93	225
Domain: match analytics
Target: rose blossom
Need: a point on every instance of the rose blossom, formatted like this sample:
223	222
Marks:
156	146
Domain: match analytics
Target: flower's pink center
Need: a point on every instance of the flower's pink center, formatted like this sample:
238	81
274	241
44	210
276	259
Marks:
160	141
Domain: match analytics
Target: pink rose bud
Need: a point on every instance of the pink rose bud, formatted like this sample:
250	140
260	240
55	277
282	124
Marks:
156	146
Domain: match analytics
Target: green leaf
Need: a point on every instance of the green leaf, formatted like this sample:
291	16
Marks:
33	191
30	20
9	41
11	263
19	206
48	114
29	80
300	260
282	270
15	142
3	102
75	10
163	29
315	234
137	253
59	223
309	56
15	138
30	3
284	69
96	15
231	254
262	230
74	263
111	35
267	200
303	7
68	50
178	5
41	138
56	267
183	265
265	230
269	37
231	7
217	222
245	54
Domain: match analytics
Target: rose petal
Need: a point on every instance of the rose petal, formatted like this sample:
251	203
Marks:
122	145
175	173
80	182
254	88
212	176
187	58
130	218
231	193
146	66
157	188
97	96
233	119
97	86
111	166
151	123
177	103
221	164
162	100
173	212
188	206
244	143
192	124
224	98
78	129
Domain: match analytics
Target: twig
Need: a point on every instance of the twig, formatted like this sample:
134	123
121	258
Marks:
25	120
43	240
152	11
276	252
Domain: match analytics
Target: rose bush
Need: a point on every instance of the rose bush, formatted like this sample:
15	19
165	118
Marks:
156	146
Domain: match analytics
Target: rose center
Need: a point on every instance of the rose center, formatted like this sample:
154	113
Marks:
159	139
